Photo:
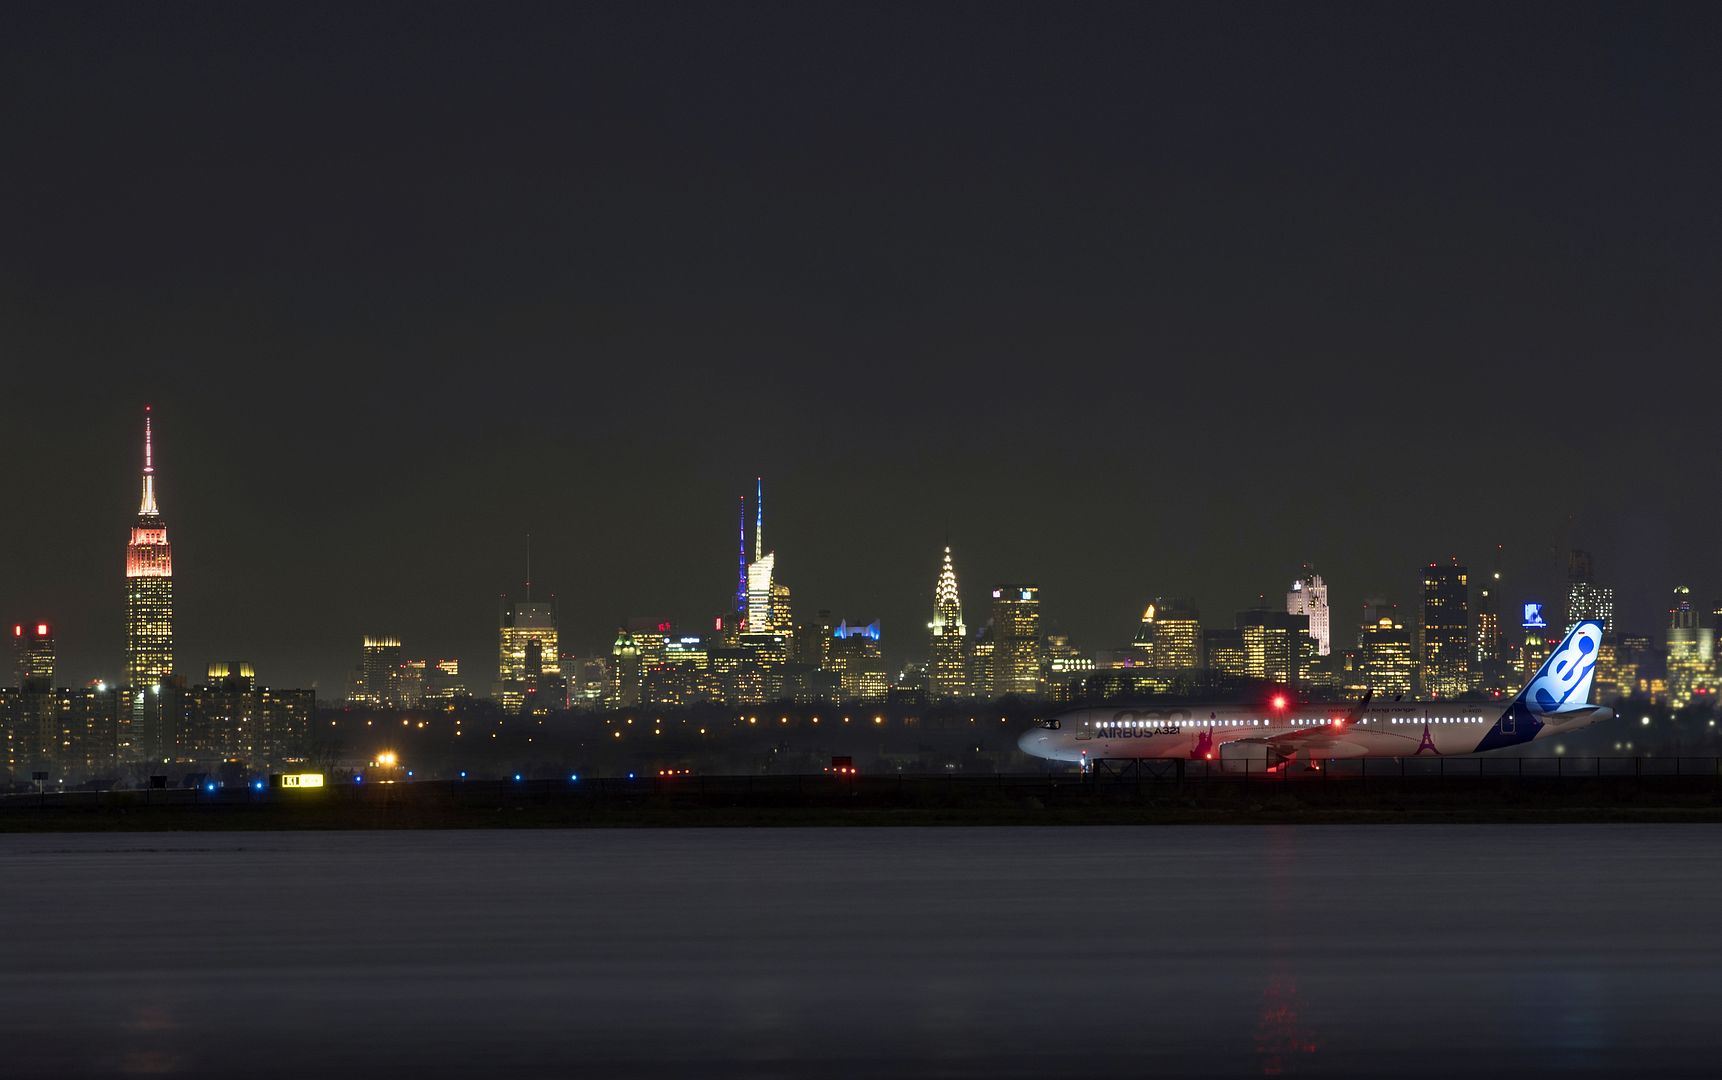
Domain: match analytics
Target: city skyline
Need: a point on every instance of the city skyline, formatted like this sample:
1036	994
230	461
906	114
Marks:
1065	320
897	651
486	483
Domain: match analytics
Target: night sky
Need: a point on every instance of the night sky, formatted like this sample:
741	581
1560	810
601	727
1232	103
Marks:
1123	300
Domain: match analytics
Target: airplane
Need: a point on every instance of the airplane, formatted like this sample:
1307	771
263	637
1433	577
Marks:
1254	738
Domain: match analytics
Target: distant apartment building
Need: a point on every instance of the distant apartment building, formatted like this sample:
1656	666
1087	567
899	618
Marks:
229	718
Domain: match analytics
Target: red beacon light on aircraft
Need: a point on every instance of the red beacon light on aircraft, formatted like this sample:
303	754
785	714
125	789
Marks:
1279	703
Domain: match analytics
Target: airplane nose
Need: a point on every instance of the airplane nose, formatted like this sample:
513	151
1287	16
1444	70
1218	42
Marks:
1031	740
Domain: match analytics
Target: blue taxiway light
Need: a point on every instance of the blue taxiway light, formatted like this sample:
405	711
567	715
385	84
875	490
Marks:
358	779
574	778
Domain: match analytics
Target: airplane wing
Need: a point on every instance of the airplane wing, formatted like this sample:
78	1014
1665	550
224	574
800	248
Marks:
1328	739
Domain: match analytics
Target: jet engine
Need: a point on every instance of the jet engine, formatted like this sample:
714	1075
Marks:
1253	757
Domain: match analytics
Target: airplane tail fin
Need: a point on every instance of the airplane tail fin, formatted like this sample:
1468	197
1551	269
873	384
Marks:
1563	682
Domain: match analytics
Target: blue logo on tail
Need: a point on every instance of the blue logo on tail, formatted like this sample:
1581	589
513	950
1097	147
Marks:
1564	681
1562	685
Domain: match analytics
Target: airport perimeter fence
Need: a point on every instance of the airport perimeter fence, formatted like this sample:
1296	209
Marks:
1107	774
1432	767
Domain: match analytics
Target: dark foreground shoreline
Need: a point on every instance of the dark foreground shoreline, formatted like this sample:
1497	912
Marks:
874	801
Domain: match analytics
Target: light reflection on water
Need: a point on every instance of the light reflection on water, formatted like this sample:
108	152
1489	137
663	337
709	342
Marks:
1411	950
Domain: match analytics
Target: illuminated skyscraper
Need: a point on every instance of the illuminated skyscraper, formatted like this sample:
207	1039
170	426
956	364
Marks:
813	640
761	574
1488	626
1016	641
529	659
625	676
149	614
949	670
1585	598
1177	635
1308	597
1691	651
982	670
443	684
652	637
1446	655
1226	652
859	663
1065	667
377	681
29	722
1489	631
782	613
1616	672
1535	648
410	683
1143	642
34	645
1274	644
1388	658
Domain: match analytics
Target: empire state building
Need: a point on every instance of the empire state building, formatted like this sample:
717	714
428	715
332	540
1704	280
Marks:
149	590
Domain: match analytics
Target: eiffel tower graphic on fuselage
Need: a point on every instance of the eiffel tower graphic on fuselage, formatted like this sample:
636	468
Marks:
1428	743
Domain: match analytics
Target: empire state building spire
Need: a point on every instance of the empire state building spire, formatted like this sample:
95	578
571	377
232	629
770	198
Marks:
149	615
148	508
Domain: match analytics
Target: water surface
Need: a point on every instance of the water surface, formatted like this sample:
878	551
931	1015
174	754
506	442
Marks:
1279	950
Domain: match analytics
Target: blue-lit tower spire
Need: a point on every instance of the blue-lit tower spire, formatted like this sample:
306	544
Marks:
761	575
741	577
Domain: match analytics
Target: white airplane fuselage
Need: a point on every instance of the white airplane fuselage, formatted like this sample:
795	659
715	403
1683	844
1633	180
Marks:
1239	733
